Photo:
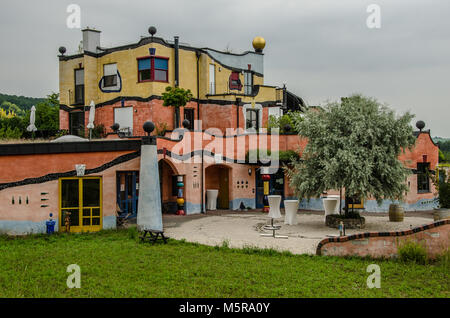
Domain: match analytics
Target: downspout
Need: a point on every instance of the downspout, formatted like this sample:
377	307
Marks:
238	101
177	79
176	61
199	128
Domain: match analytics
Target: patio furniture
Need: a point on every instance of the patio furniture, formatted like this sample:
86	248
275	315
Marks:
274	213
330	205
337	205
153	236
121	217
290	210
211	199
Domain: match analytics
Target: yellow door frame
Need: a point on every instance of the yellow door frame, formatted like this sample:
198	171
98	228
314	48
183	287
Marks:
81	227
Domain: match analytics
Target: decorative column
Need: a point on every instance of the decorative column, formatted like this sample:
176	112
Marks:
180	197
266	178
149	216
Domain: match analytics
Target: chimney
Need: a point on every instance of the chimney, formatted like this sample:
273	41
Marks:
91	40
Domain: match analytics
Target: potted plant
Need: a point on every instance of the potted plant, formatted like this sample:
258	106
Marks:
176	97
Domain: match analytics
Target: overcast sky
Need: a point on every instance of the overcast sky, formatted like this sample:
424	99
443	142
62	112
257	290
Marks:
322	49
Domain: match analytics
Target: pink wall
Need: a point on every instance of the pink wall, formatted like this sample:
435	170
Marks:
435	237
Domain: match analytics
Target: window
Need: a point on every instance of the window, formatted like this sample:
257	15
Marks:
212	79
79	86
153	69
189	115
110	75
234	81
248	83
355	203
252	119
76	123
423	181
124	117
81	197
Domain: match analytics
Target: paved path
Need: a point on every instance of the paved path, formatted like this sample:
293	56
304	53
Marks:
241	229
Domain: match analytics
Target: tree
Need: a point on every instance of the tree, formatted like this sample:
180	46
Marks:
47	114
353	145
176	97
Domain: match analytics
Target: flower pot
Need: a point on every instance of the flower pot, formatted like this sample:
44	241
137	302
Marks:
396	213
441	214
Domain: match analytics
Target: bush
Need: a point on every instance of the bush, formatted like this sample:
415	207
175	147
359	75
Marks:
99	131
285	124
161	129
413	252
444	195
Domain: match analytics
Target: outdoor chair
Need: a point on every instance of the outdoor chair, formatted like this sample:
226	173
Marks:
121	217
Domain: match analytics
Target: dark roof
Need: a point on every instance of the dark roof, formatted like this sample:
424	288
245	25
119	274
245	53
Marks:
294	102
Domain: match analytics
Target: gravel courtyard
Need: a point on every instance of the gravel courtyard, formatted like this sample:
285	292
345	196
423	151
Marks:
241	229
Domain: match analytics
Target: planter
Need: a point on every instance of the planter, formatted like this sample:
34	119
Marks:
334	220
396	213
441	214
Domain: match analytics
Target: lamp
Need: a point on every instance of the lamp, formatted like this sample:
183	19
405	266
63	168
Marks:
249	171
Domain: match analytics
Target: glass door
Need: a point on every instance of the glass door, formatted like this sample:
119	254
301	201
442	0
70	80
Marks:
128	192
80	204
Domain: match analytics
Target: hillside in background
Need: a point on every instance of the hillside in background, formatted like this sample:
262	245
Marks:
24	103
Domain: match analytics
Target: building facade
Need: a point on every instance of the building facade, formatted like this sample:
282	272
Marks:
90	181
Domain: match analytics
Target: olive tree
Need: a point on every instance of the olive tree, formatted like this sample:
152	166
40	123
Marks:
354	145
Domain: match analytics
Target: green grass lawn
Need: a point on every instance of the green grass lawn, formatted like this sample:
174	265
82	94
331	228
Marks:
116	264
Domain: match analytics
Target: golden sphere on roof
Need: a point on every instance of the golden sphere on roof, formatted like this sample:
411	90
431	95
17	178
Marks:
259	43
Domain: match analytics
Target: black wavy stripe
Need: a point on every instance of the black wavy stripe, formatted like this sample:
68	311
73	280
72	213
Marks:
56	176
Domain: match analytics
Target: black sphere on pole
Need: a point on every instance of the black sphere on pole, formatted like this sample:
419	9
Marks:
152	30
186	123
420	125
148	127
115	127
62	50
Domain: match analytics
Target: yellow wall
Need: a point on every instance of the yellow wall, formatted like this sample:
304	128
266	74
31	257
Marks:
126	61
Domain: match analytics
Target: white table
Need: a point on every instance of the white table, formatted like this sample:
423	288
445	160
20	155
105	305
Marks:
329	205
211	199
274	206
290	210
274	213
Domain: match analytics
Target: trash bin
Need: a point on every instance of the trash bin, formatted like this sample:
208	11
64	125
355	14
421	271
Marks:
50	225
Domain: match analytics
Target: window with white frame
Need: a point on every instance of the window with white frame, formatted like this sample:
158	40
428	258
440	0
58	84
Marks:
110	75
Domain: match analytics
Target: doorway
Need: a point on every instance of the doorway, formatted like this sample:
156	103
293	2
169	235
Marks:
76	123
128	192
218	177
168	187
276	187
81	200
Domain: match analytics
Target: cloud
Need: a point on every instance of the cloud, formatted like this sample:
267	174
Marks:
321	48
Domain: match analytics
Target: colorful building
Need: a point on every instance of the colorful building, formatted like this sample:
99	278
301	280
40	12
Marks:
89	181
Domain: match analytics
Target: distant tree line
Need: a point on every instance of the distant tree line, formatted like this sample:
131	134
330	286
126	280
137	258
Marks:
15	116
444	150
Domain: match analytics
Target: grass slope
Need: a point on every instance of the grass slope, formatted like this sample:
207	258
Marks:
115	264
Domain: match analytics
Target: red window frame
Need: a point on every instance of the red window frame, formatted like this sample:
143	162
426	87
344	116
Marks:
152	68
234	76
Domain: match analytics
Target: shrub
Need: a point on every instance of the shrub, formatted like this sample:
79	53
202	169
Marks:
412	252
99	131
161	129
285	123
